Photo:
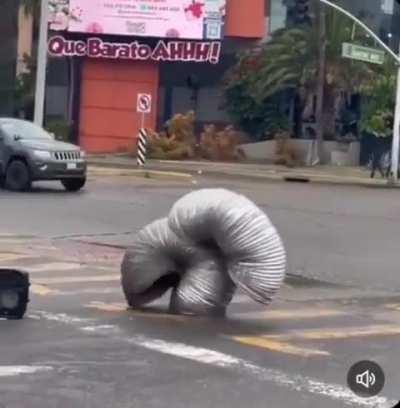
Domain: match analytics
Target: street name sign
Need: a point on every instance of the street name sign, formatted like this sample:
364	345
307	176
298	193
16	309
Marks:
360	53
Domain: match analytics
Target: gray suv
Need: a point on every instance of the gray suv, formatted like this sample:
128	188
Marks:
29	153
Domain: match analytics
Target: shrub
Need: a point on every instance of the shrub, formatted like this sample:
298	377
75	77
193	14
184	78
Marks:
60	128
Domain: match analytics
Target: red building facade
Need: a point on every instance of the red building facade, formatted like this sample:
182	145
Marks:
113	70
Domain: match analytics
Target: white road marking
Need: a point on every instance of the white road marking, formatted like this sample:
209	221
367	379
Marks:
14	371
215	358
58	317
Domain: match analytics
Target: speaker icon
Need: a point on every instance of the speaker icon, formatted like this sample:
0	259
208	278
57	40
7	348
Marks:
366	379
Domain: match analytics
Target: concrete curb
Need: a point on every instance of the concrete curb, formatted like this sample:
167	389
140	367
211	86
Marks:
108	169
176	172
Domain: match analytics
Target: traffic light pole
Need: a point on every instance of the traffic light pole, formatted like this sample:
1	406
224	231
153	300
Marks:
396	57
396	132
40	90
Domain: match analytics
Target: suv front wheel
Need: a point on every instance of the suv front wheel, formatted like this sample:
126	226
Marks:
74	184
18	177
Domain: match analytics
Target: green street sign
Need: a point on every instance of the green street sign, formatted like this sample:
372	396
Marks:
360	53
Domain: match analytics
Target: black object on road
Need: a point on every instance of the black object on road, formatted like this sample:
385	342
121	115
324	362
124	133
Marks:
14	293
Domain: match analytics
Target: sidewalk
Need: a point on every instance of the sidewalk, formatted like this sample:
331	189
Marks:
248	171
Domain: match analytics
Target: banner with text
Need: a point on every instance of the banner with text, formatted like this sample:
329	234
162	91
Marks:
189	51
186	19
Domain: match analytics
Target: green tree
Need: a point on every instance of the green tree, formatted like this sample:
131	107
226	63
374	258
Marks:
379	102
290	62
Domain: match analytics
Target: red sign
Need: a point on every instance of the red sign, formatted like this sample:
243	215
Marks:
190	51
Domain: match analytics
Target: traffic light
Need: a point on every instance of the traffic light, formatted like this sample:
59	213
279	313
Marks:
298	12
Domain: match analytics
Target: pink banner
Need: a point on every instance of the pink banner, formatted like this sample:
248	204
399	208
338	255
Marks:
186	19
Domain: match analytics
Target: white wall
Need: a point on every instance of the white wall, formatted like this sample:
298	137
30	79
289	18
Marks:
266	151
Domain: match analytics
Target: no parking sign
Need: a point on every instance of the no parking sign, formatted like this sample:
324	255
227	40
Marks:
144	103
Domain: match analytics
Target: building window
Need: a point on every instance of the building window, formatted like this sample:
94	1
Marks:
277	14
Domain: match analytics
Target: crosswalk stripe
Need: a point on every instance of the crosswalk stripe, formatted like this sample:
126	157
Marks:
107	307
393	306
338	333
15	371
295	314
54	266
122	307
11	256
279	346
77	279
42	290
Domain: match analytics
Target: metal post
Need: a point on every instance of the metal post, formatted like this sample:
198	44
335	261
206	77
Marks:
396	132
142	147
40	90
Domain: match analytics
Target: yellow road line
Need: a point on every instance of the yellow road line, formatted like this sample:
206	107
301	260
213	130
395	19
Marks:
291	314
121	307
108	307
279	346
77	279
338	333
42	290
394	306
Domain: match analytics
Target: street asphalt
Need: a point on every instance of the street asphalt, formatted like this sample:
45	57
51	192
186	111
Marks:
79	346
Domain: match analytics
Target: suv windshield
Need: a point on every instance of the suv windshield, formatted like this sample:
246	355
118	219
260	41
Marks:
24	130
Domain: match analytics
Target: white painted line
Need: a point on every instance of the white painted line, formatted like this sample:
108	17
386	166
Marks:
58	317
215	358
280	378
14	371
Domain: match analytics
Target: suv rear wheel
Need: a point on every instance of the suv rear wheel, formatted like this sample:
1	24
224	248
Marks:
18	177
73	184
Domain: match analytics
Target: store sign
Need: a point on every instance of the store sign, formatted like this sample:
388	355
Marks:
190	51
188	19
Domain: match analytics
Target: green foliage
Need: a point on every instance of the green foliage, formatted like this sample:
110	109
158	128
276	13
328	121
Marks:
25	86
260	118
288	63
60	128
379	102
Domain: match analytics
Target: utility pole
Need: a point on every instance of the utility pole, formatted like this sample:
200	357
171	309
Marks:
396	132
40	90
396	57
319	113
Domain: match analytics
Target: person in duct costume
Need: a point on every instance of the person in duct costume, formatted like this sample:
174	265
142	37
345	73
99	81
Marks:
212	242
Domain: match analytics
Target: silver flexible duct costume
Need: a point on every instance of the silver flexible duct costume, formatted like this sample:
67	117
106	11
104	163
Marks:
212	242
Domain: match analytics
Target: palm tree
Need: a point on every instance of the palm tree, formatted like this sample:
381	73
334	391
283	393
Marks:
294	58
31	7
